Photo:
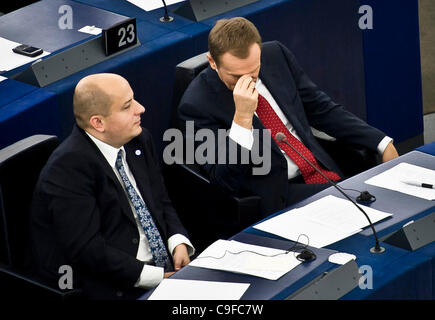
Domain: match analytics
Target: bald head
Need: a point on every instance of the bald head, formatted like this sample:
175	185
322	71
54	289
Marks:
93	95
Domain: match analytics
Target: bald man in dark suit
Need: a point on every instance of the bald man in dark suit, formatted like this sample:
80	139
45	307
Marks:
100	204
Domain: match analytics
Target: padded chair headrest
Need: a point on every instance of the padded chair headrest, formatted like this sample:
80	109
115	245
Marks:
20	166
185	72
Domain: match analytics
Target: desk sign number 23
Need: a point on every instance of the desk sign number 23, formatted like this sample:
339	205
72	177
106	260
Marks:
120	36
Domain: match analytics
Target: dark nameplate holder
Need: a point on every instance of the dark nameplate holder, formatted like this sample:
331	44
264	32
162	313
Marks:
413	235
330	286
198	10
120	36
59	66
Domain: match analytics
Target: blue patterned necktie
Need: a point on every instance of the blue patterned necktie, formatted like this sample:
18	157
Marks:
157	246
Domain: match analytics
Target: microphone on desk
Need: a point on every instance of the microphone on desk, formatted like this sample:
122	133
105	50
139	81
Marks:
166	17
280	137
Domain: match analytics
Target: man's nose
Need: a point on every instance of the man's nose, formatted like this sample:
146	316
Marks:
140	108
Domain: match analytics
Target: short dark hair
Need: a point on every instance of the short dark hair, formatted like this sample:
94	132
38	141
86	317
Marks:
235	35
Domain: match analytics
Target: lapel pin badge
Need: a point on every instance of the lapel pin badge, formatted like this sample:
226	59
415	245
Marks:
138	152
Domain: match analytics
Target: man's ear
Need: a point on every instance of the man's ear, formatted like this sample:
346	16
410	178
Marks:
97	122
211	61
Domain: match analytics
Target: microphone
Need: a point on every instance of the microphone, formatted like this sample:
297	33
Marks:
166	17
280	137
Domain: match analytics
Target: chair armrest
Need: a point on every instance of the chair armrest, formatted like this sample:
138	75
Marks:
246	208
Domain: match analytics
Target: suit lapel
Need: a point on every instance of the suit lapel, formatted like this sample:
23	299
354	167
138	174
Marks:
108	171
122	196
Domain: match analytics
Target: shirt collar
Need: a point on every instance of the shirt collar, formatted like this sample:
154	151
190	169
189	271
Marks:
109	152
258	83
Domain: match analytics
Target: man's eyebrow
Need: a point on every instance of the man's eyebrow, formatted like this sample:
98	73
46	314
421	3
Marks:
127	102
239	75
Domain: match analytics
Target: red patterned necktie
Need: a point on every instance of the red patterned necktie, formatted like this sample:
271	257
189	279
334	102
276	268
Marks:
272	122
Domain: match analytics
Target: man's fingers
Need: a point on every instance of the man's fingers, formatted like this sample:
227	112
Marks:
244	82
247	82
245	85
239	83
177	264
252	86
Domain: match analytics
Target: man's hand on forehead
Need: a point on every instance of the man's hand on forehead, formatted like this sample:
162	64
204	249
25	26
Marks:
245	99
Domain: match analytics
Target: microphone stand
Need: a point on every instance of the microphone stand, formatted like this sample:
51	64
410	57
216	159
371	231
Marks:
166	17
377	248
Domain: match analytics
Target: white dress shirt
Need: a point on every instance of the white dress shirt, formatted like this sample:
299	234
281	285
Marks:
150	275
245	137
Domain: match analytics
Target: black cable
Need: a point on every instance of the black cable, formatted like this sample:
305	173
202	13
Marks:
293	249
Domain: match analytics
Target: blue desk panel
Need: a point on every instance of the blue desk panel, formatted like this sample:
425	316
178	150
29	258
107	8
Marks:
35	112
12	90
428	148
128	9
429	251
38	24
397	273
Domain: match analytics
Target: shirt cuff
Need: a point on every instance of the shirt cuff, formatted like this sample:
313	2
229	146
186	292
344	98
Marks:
150	277
383	144
177	239
242	136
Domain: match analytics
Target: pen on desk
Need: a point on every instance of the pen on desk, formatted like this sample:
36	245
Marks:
419	184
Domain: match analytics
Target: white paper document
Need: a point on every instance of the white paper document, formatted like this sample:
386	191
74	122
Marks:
325	221
180	289
10	60
149	5
238	257
393	179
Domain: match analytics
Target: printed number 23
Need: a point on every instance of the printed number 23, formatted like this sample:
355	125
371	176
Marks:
122	32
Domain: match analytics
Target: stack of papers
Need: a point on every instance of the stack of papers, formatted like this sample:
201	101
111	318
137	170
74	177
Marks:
180	289
395	178
323	222
234	256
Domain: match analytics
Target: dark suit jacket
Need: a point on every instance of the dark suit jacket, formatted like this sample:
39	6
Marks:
81	215
209	103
